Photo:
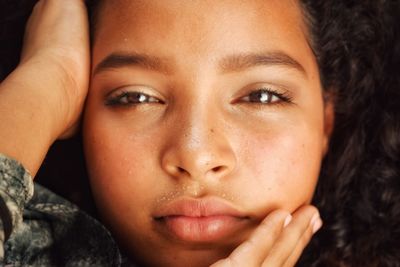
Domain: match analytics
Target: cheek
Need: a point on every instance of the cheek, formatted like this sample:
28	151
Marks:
120	167
281	171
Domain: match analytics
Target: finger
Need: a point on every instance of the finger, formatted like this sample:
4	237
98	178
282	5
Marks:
253	251
285	245
316	224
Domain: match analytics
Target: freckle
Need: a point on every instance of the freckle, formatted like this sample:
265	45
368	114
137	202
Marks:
211	130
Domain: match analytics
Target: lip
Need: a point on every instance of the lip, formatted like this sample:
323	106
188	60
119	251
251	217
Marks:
199	220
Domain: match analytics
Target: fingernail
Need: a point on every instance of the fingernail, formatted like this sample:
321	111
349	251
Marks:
287	220
316	223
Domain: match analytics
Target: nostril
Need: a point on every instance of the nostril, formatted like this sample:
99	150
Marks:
181	170
218	169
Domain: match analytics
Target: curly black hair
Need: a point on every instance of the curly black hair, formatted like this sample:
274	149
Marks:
358	194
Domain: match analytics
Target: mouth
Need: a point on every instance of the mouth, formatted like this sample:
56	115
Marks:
200	220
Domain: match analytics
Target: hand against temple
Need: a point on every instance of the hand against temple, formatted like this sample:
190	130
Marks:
277	242
42	99
57	41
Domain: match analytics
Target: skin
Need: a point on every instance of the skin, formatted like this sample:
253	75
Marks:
200	136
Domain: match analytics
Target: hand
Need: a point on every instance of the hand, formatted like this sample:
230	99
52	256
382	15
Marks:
42	99
57	42
278	241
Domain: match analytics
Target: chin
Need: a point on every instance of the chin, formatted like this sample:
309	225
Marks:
175	254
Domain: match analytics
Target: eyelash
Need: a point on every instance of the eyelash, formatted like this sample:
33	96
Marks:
143	98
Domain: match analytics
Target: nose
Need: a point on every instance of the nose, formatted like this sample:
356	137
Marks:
198	148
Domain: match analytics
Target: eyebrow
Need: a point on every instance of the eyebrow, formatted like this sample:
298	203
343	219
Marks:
236	63
232	63
119	60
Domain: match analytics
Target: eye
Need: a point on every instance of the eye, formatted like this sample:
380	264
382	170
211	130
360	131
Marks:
266	96
130	98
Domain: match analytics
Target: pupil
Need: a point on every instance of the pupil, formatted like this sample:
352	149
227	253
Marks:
136	98
261	96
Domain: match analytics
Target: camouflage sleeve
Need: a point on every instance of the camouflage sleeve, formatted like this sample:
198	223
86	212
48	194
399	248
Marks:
16	189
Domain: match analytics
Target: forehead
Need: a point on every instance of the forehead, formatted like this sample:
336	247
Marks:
122	15
182	6
200	25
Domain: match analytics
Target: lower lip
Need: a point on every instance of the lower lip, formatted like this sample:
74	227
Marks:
201	229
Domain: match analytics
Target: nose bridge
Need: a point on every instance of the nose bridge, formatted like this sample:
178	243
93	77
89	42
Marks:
197	128
198	146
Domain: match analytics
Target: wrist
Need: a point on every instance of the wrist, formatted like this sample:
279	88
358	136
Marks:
53	91
32	114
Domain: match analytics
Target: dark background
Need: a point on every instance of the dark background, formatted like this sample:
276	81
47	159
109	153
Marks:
63	170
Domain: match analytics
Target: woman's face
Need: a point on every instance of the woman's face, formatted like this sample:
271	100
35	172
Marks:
203	117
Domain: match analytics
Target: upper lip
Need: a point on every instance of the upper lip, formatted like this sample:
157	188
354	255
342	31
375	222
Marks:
199	207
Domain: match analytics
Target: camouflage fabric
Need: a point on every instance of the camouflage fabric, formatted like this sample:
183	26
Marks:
43	229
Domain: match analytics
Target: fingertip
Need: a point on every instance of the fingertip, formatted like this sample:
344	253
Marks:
288	219
317	225
316	222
